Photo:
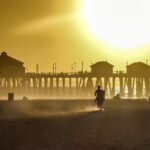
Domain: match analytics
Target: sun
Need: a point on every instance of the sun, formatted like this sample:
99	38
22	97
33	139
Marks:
121	23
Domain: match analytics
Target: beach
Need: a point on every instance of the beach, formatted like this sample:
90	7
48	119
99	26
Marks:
74	125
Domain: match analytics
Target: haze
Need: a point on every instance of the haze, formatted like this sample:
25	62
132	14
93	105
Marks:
53	31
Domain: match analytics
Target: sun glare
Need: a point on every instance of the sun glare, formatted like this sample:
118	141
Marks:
121	23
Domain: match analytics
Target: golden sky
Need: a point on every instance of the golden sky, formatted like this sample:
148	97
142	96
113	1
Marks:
47	31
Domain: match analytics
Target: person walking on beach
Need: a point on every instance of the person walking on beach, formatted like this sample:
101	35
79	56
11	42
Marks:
100	97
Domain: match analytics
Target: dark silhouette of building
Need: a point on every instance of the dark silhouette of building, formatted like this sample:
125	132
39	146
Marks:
133	83
138	69
102	68
138	79
10	66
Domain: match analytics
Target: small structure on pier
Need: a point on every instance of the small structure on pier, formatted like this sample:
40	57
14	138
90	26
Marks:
138	79
138	69
133	83
10	67
102	68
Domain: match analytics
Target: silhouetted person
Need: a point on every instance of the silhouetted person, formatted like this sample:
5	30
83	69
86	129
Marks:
25	98
117	97
100	97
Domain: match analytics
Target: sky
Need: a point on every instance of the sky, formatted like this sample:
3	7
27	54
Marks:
54	31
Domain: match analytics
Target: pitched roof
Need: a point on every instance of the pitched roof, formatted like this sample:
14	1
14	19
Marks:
102	63
138	64
5	56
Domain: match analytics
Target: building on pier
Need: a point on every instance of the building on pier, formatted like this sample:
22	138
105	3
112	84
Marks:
10	66
102	68
138	69
133	83
138	79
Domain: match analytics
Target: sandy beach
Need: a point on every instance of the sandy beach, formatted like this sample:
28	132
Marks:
124	125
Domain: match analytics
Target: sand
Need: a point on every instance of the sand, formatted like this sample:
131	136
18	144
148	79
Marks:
74	125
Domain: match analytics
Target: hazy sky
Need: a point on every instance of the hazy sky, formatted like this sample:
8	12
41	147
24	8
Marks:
47	31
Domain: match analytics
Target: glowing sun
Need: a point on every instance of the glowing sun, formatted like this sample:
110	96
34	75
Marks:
122	23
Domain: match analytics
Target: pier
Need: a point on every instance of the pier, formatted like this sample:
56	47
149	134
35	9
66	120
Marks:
135	82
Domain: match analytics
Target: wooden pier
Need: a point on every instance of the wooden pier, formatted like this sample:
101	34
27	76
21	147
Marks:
134	83
79	84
